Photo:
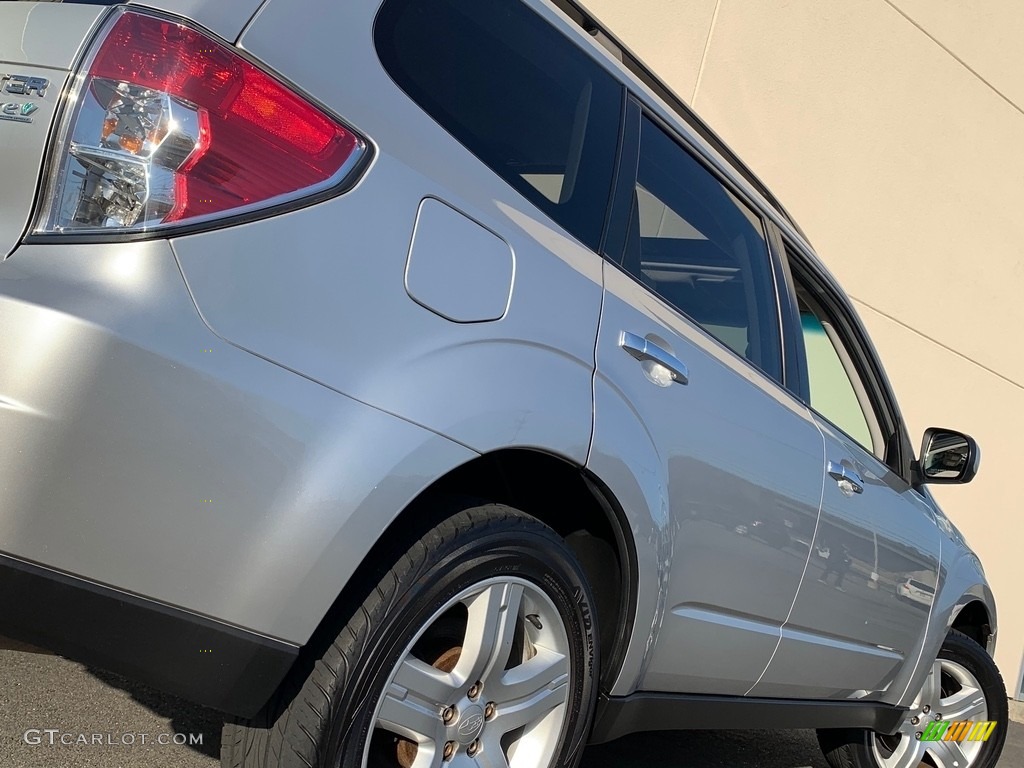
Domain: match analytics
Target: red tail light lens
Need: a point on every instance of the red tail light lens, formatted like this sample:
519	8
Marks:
172	127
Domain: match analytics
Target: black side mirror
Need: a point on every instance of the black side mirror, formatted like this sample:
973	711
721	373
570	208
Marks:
948	457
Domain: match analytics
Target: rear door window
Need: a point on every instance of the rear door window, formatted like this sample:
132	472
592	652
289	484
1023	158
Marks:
703	250
517	93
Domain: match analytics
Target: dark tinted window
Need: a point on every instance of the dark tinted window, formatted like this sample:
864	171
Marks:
518	94
703	250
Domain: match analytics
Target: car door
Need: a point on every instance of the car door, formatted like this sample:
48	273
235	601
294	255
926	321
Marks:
688	403
855	625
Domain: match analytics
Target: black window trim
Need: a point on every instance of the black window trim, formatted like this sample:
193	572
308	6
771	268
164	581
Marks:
899	453
592	26
794	356
614	242
627	164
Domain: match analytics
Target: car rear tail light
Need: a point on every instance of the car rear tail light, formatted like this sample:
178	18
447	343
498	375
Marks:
170	127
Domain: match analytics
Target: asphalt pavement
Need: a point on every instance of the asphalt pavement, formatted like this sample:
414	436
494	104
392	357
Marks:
47	699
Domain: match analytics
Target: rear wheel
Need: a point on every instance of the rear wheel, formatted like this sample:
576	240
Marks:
477	649
963	685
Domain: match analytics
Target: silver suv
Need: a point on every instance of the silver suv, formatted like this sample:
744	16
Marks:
420	382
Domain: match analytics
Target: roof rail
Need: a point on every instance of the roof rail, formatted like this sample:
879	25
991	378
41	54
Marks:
590	24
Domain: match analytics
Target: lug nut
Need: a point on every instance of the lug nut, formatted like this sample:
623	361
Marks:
926	709
449	750
917	735
473	748
448	715
938	715
915	720
474	692
489	710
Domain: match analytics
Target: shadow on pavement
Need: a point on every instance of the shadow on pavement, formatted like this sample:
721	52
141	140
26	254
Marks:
183	716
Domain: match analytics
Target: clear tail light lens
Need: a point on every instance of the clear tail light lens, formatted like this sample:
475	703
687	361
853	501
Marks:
170	127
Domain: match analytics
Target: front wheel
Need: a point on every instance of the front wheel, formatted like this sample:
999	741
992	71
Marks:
964	686
476	650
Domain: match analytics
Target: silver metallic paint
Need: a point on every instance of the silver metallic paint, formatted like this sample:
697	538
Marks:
457	268
732	488
190	472
109	374
44	34
335	307
850	642
962	582
23	148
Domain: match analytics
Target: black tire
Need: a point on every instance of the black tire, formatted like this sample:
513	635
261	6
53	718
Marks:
849	748
326	718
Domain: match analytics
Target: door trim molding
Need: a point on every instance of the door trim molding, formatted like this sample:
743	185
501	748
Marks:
619	716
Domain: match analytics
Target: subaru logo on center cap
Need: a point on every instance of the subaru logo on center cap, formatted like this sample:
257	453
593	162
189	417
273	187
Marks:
470	725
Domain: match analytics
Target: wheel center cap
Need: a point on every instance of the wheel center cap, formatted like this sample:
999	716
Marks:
471	724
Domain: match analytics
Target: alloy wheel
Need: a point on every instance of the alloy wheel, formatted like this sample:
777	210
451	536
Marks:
951	693
484	683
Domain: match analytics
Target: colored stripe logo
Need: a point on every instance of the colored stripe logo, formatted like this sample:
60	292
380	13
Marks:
961	730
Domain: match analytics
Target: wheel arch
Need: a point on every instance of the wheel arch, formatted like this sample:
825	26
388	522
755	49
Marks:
965	602
975	621
560	493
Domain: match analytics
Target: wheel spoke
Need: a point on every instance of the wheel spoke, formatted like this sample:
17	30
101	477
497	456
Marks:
906	755
531	708
404	713
491	756
547	670
490	631
425	683
932	687
948	754
966	704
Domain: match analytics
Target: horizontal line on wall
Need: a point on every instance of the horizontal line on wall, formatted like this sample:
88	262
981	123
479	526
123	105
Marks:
938	343
960	61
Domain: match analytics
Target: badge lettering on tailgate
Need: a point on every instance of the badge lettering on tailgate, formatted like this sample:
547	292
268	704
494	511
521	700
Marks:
21	85
24	85
18	113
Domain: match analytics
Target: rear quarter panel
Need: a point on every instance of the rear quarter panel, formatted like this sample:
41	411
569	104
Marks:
322	291
143	453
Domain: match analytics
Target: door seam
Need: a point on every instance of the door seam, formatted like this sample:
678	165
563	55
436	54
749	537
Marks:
810	549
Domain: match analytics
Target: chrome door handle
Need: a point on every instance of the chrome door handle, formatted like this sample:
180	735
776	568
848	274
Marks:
849	481
643	349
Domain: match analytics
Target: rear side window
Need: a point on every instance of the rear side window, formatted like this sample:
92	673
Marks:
516	93
700	248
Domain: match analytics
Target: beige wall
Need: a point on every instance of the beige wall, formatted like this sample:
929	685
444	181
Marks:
893	131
